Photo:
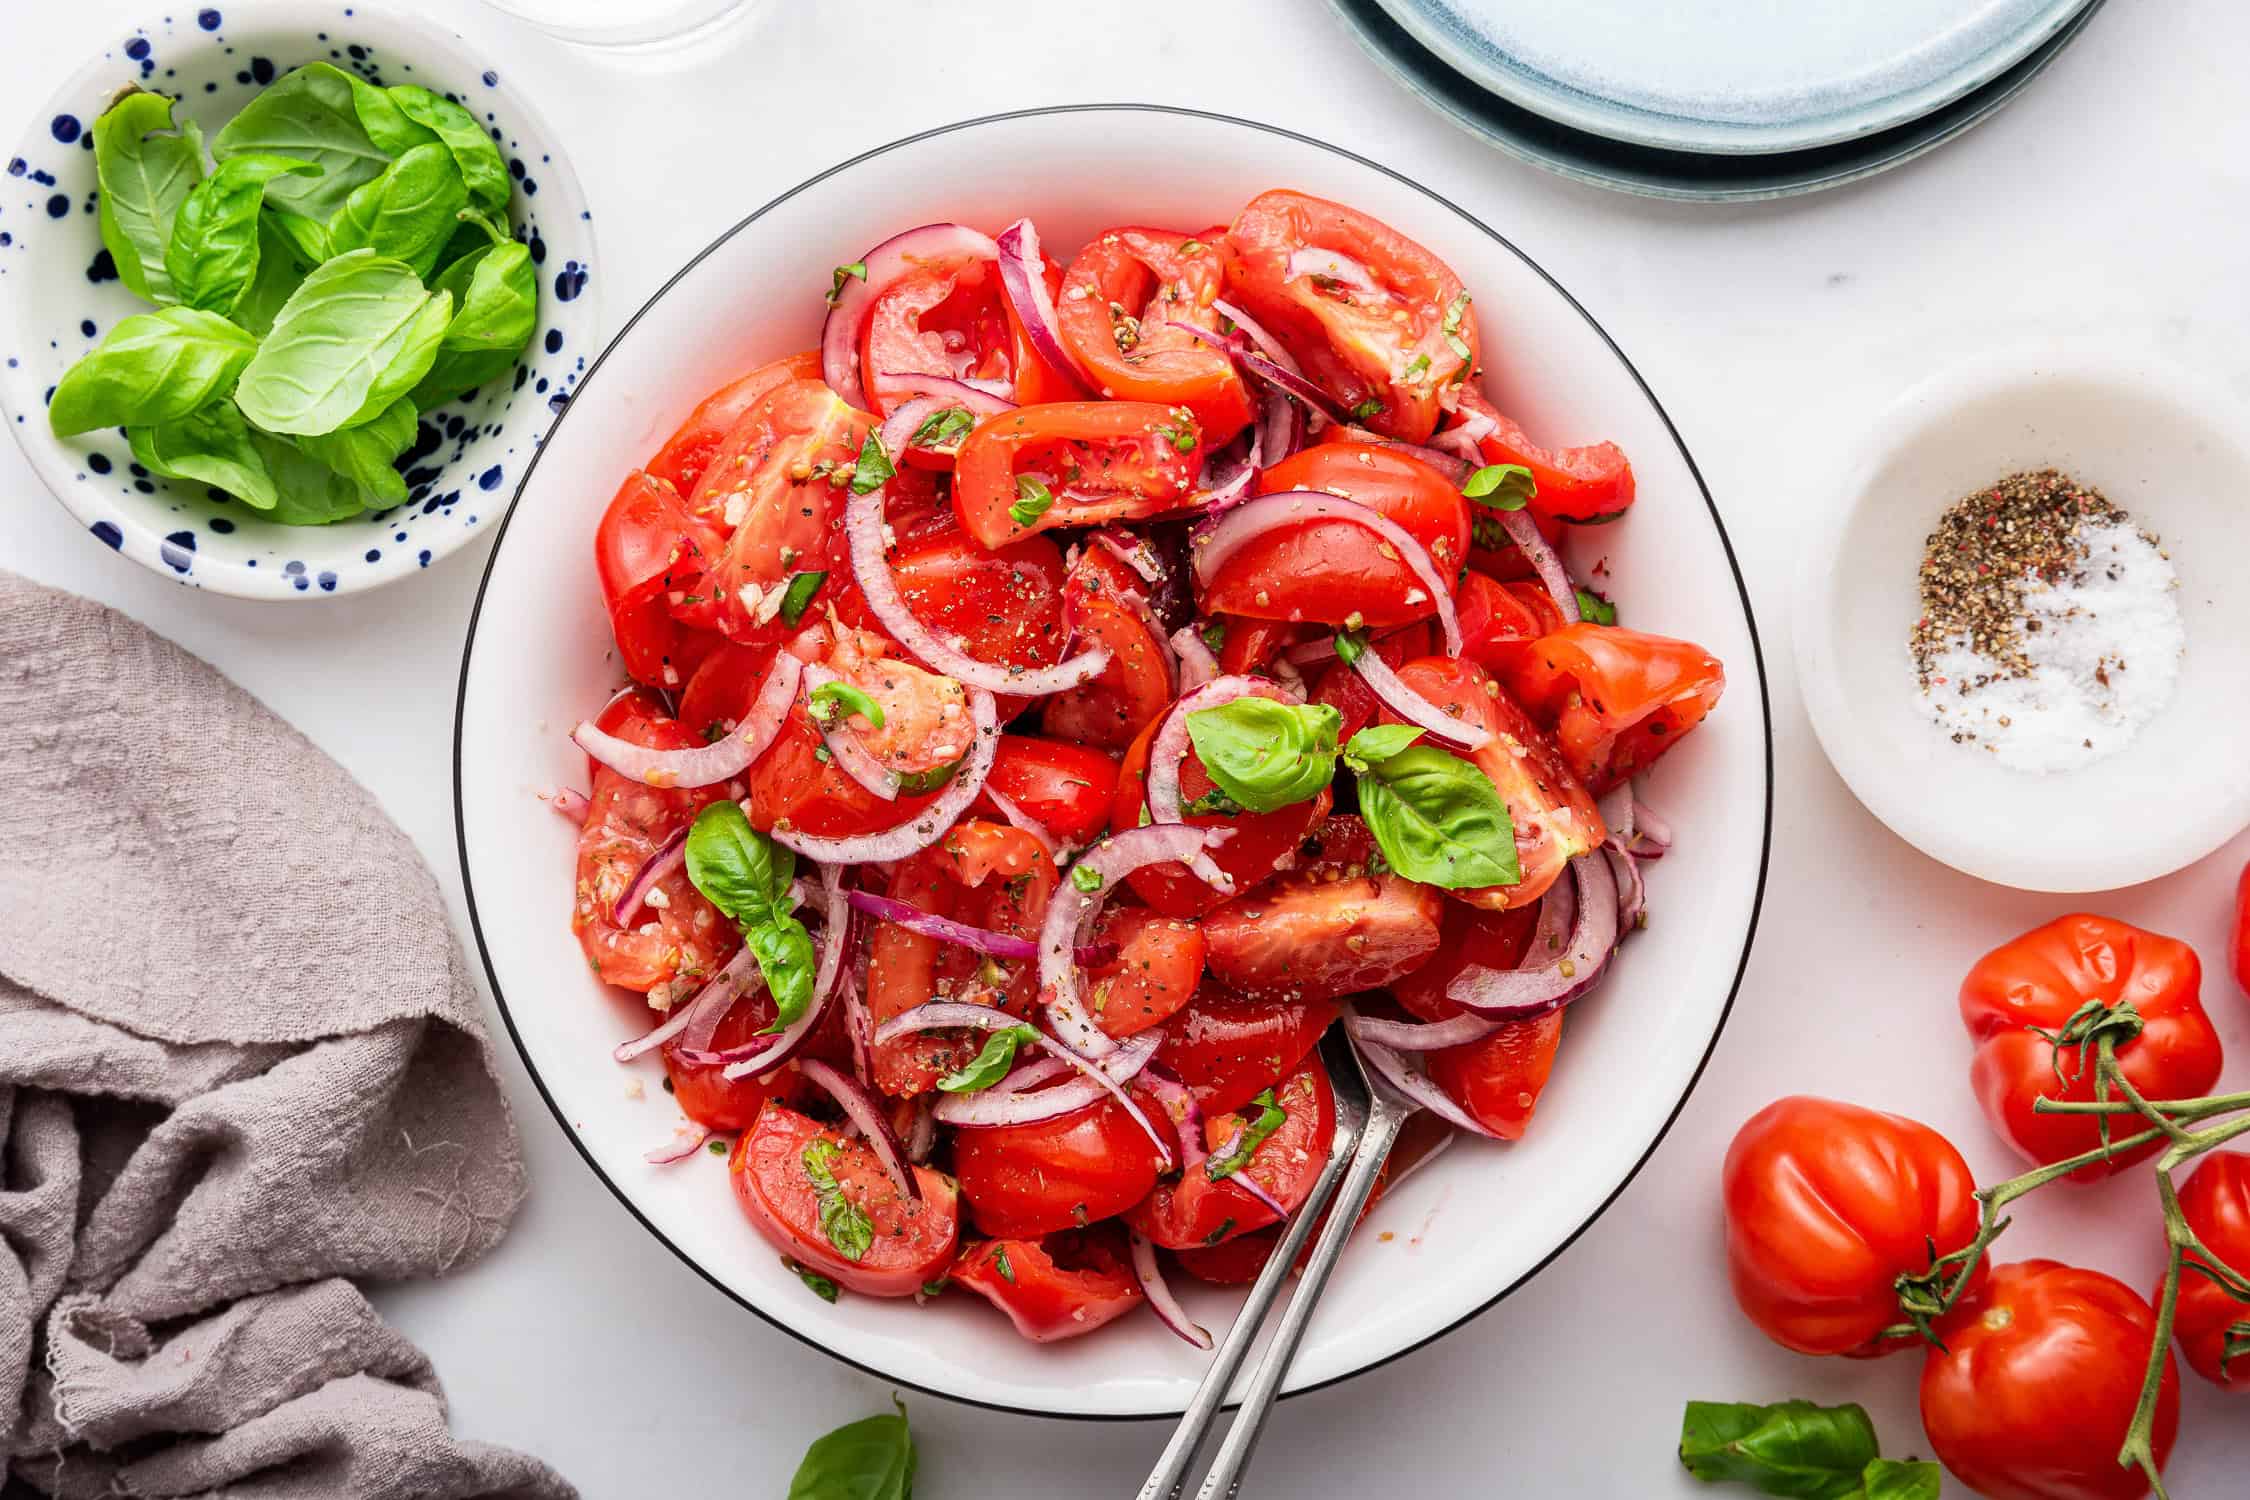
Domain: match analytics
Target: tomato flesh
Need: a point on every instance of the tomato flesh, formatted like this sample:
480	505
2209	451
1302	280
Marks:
1194	1210
1616	698
1328	929
1060	1287
688	452
1023	1181
1099	460
1263	843
1158	967
1122	301
911	1241
1227	1048
1067	789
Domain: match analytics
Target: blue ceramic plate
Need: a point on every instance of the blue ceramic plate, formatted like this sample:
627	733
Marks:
1728	76
1688	175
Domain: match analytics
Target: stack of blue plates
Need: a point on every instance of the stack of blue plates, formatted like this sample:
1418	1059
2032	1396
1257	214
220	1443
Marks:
1716	99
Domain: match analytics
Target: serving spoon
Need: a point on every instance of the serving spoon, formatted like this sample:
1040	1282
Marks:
1368	1117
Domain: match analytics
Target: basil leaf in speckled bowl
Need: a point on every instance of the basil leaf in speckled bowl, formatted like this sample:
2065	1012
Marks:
289	295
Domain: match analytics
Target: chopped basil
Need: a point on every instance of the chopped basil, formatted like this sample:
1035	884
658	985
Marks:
746	876
1180	433
1000	1264
1349	647
1371	407
1271	1117
942	429
915	783
1214	803
1218	1235
1378	742
1417	365
937	1287
821	1286
857	269
1215	635
873	468
990	1065
1085	879
843	1222
1592	606
1033	500
1438	819
1191	247
1501	486
799	595
1451	327
1266	755
717	1147
831	702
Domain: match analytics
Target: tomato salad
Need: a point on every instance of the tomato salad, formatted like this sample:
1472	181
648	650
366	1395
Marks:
1064	694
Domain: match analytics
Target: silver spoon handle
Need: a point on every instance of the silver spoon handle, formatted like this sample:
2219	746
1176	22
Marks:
1225	1479
1164	1481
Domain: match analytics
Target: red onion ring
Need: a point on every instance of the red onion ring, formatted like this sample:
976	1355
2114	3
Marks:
1241	1178
1296	387
864	528
1032	1074
1417	1087
1014	813
1266	344
926	245
1130	550
929	825
859	1026
1197	665
686	1141
1543	559
1179	1105
713	998
982	397
1160	1299
1071	913
1453	469
921	1136
898	429
852	758
669	856
1171	747
1281	426
784	1045
1313	261
865	1111
1616	808
1422	1036
1254	518
1413	707
1023	275
1022	1106
1648	824
570	803
1521	993
978	939
702	765
1632	890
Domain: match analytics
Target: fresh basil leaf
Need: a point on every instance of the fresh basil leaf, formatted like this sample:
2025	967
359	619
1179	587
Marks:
153	368
308	237
871	1459
843	1222
1271	1117
799	596
1350	648
831	702
943	430
819	1285
1792	1448
1901	1479
1371	407
873	468
738	869
312	114
306	491
1439	820
857	269
990	1065
475	156
281	270
456	372
365	454
1501	486
409	213
1377	743
784	951
358	334
1592	606
495	299
385	123
1033	500
1085	879
212	256
145	165
1214	803
210	445
1266	755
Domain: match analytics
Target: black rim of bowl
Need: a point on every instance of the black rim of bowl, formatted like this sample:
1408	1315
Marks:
588	382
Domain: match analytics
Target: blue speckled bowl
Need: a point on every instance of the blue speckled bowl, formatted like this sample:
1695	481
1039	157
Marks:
59	295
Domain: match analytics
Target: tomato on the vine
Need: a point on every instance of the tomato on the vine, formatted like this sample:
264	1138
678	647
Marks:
2215	1202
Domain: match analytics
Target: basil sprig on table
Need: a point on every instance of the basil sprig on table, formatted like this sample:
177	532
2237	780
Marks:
343	266
746	876
1437	818
1797	1449
871	1459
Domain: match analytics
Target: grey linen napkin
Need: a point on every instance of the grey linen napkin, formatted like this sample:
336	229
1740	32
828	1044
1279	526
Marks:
240	1060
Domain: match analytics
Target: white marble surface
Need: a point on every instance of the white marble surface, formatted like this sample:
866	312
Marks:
2110	197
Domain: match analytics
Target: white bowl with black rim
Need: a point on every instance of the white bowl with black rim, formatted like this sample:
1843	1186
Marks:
59	296
1481	1220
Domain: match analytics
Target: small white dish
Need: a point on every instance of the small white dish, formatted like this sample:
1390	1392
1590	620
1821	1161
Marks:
2169	447
58	298
1451	1240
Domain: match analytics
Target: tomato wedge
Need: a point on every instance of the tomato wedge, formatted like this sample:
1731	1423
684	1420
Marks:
788	1171
1196	1209
1122	301
1067	789
1586	485
1131	692
1227	1047
711	1099
1095	461
1023	1181
1158	966
1263	843
647	550
942	321
1347	692
1054	1288
1500	621
688	452
1617	698
1329	928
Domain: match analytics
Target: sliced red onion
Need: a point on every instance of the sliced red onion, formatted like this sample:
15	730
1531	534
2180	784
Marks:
1323	648
1265	342
927	826
1171	747
1023	1106
1648	824
1130	550
1454	469
702	765
898	429
1241	1178
1254	518
921	1136
1475	426
927	245
1312	261
1519	994
1281	426
783	1046
1616	808
1412	706
1160	1299
1023	275
706	1008
852	758
859	1026
685	1142
669	856
1179	1106
1071	913
1416	1086
979	939
1543	559
865	1111
1632	890
1137	605
864	527
570	803
1197	665
1014	813
982	397
1031	1075
1296	386
1422	1036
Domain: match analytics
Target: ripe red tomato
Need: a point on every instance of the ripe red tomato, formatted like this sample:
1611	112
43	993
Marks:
1158	966
1037	381
1099	460
1555	817
1228	1048
1120	300
1065	788
1056	1288
1617	698
1131	692
1827	1204
688	452
2216	1203
720	692
1338	573
1499	621
708	1097
2039	980
783	1193
1498	1079
1328	928
1347	692
1251	645
2032	1391
1470	935
646	550
2238	951
938	320
1001	604
1263	843
1399	340
1023	1181
1192	1210
1574	484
